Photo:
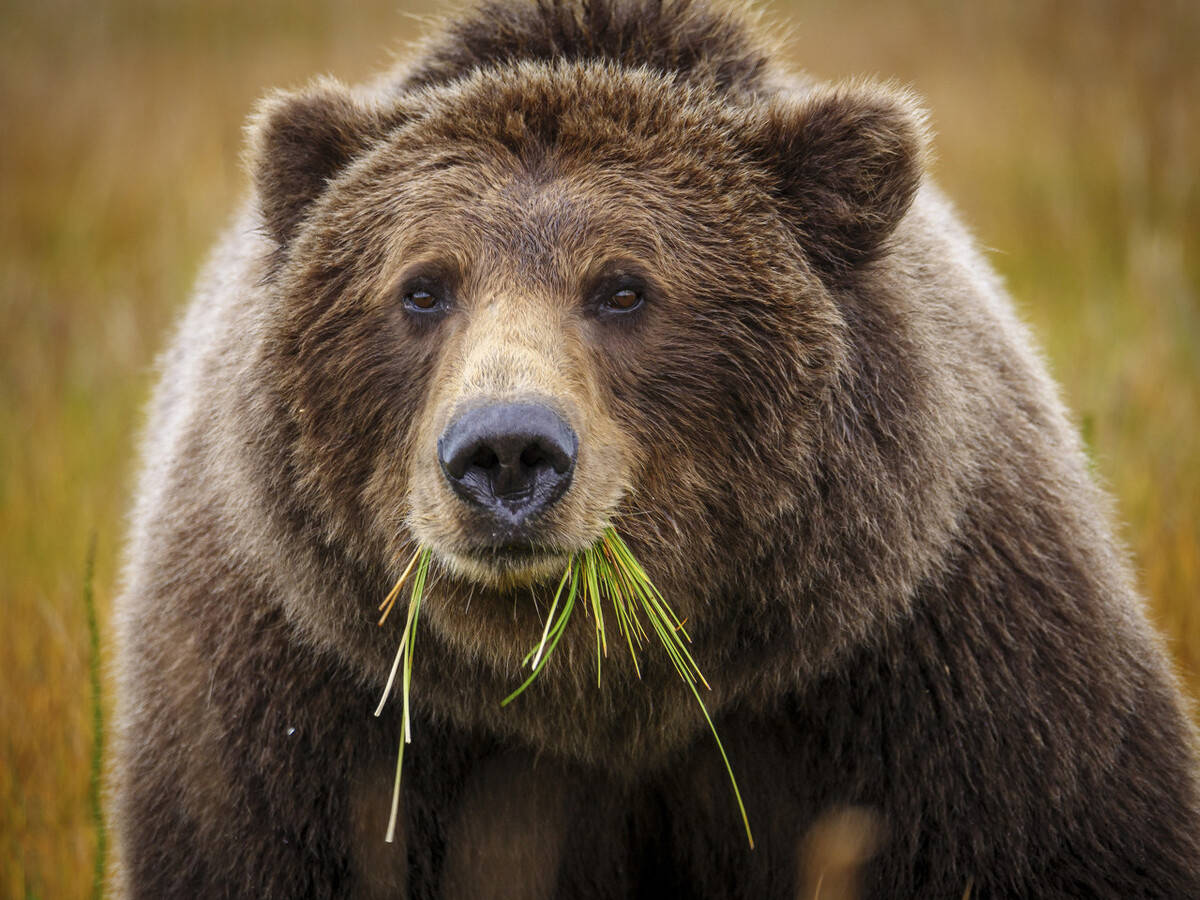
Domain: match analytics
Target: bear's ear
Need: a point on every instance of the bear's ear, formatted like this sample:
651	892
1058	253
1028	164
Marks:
848	160
299	141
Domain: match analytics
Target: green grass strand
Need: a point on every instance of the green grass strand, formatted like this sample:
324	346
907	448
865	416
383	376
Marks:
410	636
557	633
608	571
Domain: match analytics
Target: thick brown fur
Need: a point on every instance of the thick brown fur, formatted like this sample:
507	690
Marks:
824	434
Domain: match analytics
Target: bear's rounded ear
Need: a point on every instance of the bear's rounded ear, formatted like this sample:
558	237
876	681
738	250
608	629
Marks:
848	160
298	142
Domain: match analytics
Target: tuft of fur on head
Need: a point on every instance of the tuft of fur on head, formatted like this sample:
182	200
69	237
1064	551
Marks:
688	40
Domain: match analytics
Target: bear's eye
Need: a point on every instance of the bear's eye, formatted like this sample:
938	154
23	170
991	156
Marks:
421	300
624	300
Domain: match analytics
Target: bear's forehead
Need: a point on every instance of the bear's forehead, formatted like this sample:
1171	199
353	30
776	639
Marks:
544	229
537	226
519	190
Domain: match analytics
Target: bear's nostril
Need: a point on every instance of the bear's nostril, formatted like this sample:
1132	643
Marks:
532	456
485	458
510	459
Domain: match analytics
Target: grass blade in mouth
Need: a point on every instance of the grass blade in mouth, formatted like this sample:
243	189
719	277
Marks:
609	571
421	560
606	571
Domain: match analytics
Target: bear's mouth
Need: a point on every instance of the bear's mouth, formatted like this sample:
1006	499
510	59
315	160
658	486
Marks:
512	554
511	564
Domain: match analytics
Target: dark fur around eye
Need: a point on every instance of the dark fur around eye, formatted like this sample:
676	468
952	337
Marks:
618	296
424	296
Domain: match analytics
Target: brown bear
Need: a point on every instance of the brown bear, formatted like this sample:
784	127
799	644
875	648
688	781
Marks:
592	263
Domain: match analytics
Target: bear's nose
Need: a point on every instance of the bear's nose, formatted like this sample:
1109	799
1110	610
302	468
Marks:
512	459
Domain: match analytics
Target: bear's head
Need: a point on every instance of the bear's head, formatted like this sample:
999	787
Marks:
514	308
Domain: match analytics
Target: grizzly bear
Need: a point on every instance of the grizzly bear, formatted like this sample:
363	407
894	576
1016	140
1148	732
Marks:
605	263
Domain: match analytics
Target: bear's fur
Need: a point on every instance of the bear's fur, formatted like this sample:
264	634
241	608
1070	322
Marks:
823	432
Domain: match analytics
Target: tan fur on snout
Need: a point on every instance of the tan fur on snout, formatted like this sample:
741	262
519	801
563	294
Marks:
514	343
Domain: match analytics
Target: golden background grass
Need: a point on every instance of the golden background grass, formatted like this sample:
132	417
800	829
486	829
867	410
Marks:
1067	133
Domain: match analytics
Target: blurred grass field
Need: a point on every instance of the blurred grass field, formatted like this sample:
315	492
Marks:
1068	133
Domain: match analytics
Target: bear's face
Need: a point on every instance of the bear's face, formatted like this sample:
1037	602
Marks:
533	303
